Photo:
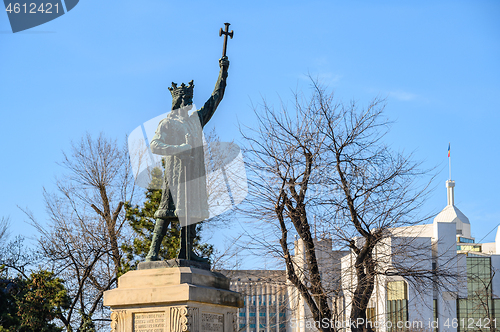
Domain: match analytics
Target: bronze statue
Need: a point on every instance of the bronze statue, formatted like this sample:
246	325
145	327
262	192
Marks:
179	139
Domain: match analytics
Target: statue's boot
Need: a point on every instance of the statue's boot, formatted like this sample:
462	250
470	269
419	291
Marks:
191	235
196	258
158	234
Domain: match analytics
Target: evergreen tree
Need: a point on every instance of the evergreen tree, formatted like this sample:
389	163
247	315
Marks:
9	321
87	324
32	304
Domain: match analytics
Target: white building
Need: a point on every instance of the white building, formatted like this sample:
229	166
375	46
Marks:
469	301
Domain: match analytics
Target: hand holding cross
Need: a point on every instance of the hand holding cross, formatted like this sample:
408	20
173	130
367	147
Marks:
225	33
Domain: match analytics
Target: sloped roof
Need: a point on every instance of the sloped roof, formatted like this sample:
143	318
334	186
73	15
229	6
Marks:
451	214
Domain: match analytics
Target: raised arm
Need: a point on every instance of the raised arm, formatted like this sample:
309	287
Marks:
205	113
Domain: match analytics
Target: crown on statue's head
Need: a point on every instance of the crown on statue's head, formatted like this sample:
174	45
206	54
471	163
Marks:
182	90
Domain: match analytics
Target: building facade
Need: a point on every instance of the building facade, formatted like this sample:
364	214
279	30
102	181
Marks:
265	297
467	299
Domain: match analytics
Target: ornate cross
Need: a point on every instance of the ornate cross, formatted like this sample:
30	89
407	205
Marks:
225	33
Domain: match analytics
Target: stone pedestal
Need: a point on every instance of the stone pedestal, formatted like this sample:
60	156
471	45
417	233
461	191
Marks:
160	298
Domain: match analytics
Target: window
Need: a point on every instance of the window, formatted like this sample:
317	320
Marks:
371	314
478	308
397	290
476	248
397	304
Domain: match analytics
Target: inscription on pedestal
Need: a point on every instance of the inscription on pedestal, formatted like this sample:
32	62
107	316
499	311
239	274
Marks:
149	322
212	322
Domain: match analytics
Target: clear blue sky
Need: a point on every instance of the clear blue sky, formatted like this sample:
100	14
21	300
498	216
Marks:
106	65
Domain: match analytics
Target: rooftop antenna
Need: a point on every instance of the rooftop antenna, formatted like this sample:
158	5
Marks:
450	184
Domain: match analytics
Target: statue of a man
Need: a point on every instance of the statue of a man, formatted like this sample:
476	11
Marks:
179	138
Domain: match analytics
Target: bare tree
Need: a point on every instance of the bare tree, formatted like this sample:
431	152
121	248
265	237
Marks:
86	229
375	189
15	257
4	229
328	160
284	159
